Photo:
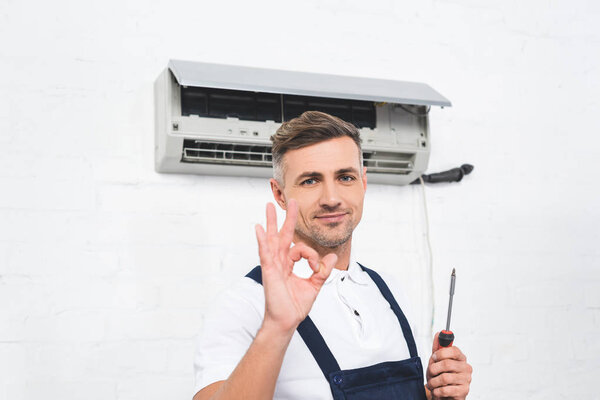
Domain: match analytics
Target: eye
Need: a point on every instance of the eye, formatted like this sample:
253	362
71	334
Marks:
309	181
347	178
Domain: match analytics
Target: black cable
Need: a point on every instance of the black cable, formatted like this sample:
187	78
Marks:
452	175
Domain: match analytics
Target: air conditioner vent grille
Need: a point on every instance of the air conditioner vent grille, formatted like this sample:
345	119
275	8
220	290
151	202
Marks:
387	162
199	151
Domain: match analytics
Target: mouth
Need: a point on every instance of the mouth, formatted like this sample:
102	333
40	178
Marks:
331	218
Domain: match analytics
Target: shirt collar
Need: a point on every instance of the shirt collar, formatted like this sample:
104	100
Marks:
354	272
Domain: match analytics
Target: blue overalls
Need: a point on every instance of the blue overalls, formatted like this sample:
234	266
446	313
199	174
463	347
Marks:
387	380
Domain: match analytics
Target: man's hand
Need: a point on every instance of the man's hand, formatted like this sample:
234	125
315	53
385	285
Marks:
448	374
288	298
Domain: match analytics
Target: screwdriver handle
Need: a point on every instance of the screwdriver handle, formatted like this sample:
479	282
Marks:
446	338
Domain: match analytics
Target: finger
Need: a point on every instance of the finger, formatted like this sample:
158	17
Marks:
301	250
452	391
313	260
287	230
452	352
445	366
263	245
271	220
326	265
446	379
436	343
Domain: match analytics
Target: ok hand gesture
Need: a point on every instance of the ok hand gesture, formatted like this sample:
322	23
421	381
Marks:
288	298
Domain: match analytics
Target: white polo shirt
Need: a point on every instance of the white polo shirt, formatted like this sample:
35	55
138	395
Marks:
352	315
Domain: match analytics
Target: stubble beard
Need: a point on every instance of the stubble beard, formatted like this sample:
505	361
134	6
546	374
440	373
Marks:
320	236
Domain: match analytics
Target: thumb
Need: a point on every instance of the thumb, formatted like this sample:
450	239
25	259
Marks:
436	343
326	265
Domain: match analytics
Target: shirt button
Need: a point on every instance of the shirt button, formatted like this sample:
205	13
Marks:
338	379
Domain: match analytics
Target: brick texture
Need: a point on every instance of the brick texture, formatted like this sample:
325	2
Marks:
107	268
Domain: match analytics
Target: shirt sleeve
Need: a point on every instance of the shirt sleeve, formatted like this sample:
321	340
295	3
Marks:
228	330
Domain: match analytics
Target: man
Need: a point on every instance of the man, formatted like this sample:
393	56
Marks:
336	331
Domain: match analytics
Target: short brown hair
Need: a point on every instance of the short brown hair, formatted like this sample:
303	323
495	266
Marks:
311	127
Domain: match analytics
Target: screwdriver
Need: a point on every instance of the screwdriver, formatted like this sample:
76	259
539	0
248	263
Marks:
446	337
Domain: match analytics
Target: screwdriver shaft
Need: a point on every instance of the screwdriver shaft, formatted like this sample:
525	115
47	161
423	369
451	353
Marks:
452	282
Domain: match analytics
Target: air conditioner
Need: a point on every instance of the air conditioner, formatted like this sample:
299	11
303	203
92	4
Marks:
217	119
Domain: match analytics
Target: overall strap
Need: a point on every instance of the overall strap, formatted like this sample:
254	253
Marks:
387	294
311	336
255	274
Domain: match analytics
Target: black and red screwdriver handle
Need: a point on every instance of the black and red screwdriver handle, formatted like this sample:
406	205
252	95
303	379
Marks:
446	338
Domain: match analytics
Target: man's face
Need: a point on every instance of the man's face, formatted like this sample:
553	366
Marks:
328	182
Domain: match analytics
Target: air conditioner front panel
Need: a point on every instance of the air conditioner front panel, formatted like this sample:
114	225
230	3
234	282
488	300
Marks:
235	77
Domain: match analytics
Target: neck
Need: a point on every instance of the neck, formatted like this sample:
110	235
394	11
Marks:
342	251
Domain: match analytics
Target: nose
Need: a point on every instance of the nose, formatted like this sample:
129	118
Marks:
330	198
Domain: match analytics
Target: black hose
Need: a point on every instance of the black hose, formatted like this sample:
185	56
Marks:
452	175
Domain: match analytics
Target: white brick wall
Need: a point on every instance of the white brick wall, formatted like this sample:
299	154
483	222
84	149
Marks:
106	267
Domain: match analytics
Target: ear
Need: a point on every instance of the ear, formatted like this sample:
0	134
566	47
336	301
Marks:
364	178
278	193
